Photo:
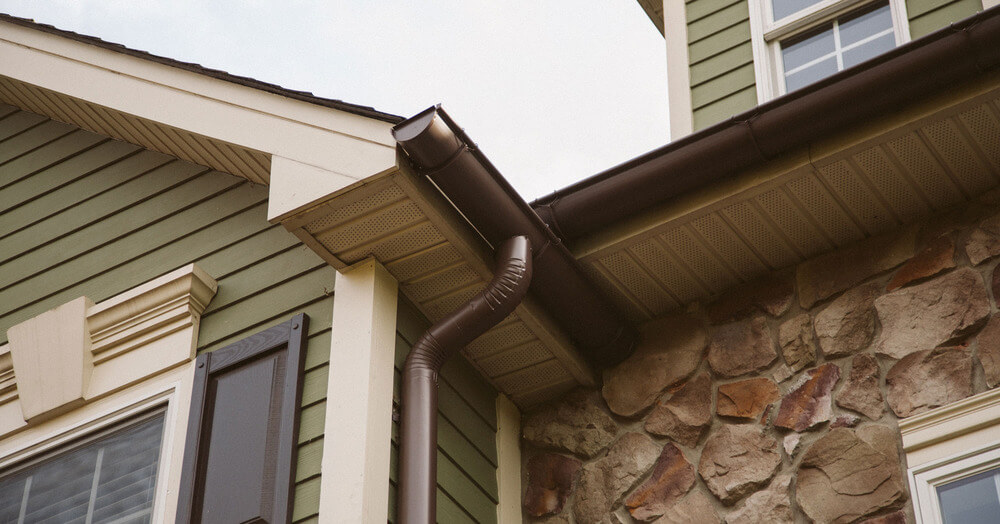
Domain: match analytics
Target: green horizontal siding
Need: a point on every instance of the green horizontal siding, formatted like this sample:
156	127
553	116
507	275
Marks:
84	215
927	16
720	59
467	459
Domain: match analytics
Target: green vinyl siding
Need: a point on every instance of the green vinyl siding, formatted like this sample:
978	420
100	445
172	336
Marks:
467	456
84	215
721	60
927	16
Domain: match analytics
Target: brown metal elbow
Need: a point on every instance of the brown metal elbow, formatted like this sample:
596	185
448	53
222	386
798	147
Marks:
418	445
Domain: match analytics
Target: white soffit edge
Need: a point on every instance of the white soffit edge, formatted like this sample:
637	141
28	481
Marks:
398	219
169	106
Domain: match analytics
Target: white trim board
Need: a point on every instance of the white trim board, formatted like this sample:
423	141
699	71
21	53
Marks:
171	389
342	143
949	443
966	424
681	112
766	36
357	444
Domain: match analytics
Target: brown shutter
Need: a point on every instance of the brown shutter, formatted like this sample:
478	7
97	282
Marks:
239	459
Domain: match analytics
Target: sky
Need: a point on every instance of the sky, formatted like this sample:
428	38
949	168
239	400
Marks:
551	91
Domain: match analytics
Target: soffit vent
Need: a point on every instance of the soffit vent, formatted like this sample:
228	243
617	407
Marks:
876	185
405	224
254	166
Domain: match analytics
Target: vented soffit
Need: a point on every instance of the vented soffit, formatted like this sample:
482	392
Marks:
402	221
863	182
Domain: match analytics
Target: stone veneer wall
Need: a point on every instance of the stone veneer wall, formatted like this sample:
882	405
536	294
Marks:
779	401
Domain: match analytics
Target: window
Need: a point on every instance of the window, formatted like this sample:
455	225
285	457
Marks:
953	458
108	477
962	488
798	42
972	499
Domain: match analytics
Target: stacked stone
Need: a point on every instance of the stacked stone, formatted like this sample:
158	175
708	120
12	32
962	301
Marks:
769	404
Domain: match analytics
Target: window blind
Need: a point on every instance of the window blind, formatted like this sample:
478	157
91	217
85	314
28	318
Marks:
107	480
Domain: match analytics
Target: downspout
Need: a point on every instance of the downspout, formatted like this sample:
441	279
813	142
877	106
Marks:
418	446
439	149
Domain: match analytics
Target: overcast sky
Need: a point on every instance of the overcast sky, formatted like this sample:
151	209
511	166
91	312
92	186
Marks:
552	91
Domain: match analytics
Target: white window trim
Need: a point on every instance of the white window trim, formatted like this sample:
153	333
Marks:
925	479
139	350
947	444
765	36
171	390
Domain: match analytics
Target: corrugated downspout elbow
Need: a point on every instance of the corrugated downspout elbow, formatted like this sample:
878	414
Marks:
418	446
439	149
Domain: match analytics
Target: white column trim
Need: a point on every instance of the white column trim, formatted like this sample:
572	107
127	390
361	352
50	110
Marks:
356	446
678	72
508	460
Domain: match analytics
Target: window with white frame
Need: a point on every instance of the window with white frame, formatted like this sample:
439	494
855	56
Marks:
953	459
107	477
959	489
798	42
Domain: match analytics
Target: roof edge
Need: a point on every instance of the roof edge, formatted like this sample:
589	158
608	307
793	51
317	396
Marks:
962	51
303	96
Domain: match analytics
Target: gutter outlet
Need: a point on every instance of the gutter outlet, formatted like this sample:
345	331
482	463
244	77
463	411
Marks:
440	150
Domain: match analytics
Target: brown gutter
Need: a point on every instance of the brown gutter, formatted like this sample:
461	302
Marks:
887	83
441	150
418	440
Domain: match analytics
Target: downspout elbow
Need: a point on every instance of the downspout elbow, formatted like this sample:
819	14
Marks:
418	446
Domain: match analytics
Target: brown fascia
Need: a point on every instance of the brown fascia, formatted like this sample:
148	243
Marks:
961	52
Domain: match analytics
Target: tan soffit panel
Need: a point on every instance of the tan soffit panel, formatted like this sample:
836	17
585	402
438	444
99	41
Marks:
255	166
404	223
813	204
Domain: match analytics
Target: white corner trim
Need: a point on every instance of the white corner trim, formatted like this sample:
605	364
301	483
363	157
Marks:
89	351
976	414
357	445
681	112
296	187
508	460
990	3
764	72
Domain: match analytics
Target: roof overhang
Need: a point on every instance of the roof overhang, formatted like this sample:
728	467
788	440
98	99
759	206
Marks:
862	182
332	173
260	132
863	152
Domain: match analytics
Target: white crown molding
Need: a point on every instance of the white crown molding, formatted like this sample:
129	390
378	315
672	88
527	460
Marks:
967	424
50	366
951	420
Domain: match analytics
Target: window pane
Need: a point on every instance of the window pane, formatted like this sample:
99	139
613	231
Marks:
972	500
128	475
801	51
110	479
783	8
869	50
60	488
811	74
859	26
